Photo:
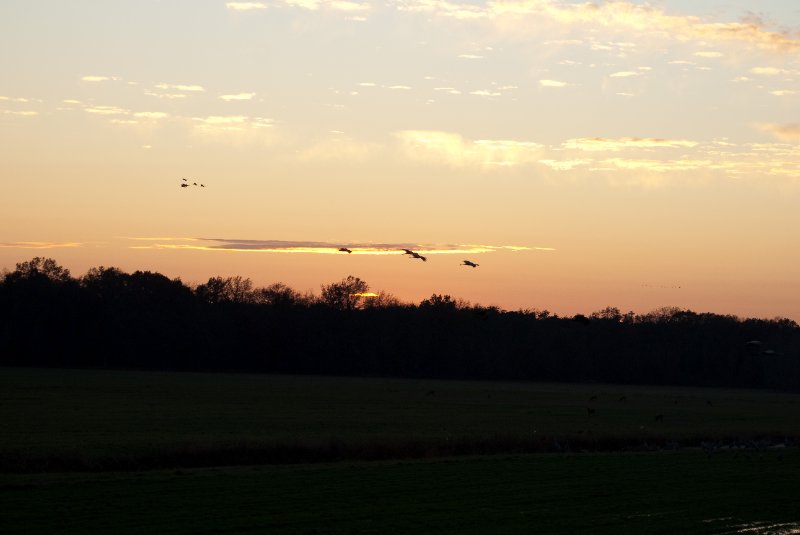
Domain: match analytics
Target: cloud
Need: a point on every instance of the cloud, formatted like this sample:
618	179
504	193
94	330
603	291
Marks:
769	71
106	110
333	5
625	74
326	247
565	165
235	122
519	15
20	113
452	149
657	165
100	78
234	129
179	87
245	6
485	93
470	56
783	92
39	245
237	96
593	144
170	96
552	83
709	54
785	132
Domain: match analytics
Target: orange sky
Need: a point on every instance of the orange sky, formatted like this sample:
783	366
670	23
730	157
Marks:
632	155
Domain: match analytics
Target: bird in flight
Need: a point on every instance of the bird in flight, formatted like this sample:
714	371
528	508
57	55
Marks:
417	255
184	185
470	264
409	251
184	180
345	250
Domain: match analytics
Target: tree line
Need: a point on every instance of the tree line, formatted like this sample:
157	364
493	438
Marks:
108	318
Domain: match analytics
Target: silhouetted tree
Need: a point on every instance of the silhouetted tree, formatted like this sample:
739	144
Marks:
277	294
346	294
227	290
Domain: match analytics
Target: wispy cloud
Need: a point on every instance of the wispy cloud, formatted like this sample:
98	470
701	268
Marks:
21	113
92	78
106	110
452	149
333	5
325	247
552	83
609	144
231	122
620	15
709	54
168	96
565	165
245	6
769	71
625	74
180	87
237	96
40	245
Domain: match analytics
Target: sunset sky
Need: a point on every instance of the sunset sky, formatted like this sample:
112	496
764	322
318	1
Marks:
629	154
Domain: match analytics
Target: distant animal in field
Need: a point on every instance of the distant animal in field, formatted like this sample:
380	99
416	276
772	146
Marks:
345	250
708	402
593	398
430	393
590	411
470	264
623	398
659	418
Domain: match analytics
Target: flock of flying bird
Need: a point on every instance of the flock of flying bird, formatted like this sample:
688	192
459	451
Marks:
412	254
185	184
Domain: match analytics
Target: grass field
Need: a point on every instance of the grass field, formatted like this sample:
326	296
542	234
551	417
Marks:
78	451
77	419
683	492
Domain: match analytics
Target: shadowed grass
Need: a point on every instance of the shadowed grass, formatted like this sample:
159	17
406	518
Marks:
683	492
80	420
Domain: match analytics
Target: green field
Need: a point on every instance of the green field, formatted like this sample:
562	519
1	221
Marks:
78	452
77	419
684	492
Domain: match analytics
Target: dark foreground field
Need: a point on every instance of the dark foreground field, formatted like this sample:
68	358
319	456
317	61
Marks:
684	492
129	452
70	420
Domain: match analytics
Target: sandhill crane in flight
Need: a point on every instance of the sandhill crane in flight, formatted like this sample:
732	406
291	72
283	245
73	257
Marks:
184	180
408	251
417	255
345	250
202	185
184	185
470	264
